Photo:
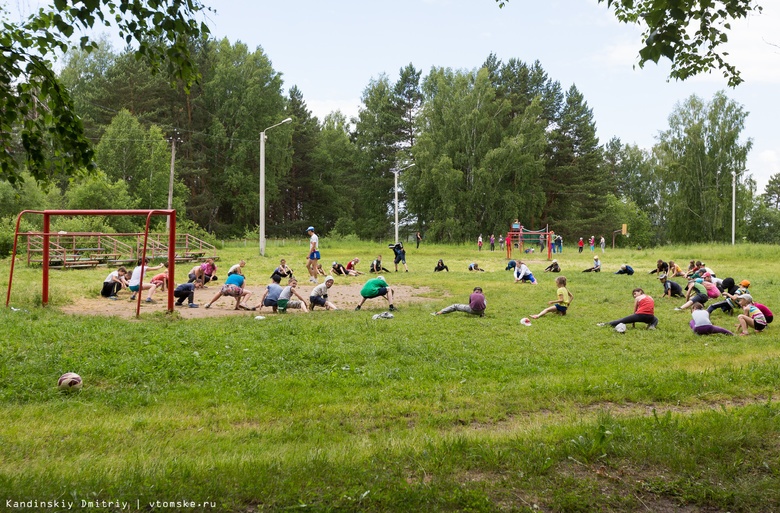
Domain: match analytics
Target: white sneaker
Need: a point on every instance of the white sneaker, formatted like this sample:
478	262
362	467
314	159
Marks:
313	279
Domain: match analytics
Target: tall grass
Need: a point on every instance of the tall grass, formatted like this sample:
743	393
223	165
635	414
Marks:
336	411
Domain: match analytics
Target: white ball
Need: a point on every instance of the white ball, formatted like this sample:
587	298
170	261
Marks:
259	318
69	382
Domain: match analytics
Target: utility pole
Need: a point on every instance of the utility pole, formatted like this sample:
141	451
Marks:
173	140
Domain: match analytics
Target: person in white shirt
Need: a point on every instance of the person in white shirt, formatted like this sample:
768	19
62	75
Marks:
314	254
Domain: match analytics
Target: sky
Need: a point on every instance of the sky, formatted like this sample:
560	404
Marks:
332	50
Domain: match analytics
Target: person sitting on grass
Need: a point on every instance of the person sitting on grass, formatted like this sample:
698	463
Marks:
233	287
114	283
751	316
674	270
376	287
475	267
644	311
352	267
376	266
625	269
285	298
440	266
523	274
319	295
271	295
561	304
185	291
701	324
697	293
553	267
282	270
596	266
671	288
339	269
477	305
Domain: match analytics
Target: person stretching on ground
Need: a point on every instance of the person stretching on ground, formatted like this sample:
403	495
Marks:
697	293
319	295
477	305
644	310
376	287
233	287
561	304
523	273
751	316
440	266
596	266
701	323
376	266
114	283
671	288
352	267
271	296
185	291
286	301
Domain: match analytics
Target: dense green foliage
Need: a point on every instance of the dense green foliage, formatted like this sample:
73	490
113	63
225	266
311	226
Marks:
477	147
335	411
39	125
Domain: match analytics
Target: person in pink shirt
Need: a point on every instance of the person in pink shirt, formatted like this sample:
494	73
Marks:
208	269
644	311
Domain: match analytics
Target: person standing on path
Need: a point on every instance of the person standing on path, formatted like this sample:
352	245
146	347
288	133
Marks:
314	254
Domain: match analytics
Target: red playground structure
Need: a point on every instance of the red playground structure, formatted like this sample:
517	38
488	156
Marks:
527	240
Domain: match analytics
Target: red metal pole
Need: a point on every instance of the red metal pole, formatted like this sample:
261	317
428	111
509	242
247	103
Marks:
45	263
171	258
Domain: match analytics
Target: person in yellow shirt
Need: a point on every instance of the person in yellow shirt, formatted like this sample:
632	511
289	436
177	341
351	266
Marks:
561	304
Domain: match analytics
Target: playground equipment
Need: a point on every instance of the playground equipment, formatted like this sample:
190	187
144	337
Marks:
520	237
46	246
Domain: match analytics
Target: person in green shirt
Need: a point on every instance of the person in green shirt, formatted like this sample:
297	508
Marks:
696	294
376	287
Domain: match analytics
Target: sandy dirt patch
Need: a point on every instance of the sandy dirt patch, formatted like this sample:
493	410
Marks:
344	296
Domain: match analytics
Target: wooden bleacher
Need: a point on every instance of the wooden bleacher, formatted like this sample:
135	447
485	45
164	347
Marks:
79	250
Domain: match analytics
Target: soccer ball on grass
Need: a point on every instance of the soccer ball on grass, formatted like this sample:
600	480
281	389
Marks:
69	382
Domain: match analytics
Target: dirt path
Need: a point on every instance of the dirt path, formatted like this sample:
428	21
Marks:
343	296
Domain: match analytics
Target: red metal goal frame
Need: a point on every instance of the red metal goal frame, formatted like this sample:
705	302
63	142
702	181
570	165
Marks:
46	234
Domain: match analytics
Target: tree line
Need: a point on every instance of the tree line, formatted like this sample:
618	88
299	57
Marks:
501	141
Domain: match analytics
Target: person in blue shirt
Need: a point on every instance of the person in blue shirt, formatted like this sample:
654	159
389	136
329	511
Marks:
233	287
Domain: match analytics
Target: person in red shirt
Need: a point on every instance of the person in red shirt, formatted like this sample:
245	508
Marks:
644	309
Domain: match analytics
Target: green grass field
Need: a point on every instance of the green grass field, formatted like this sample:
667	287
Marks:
334	411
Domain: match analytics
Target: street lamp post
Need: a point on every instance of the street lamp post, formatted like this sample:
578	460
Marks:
396	173
733	204
262	184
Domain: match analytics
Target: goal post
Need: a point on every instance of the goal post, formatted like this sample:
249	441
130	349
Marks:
46	233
